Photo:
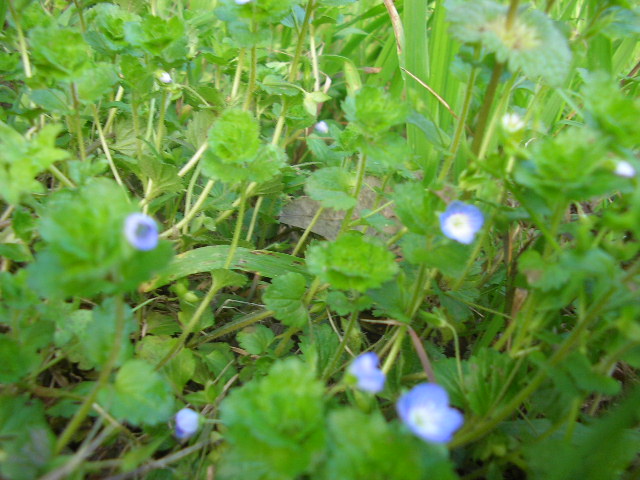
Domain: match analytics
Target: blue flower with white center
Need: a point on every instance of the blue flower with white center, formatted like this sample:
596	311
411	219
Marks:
365	369
425	410
187	423
141	231
461	222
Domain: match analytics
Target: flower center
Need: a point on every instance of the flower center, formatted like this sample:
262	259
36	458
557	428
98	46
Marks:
425	418
459	223
143	230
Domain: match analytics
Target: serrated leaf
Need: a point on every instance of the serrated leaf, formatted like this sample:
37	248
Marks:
275	424
374	111
255	339
21	160
276	85
532	43
179	370
95	82
331	187
352	262
16	361
284	296
139	396
366	446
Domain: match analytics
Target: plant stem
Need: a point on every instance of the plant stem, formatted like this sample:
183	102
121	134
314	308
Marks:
307	231
193	160
136	125
328	371
254	218
293	71
103	378
22	44
512	14
193	321
80	138
238	75
238	229
105	147
161	115
242	322
192	213
61	177
483	116
362	165
462	123
83	25
253	67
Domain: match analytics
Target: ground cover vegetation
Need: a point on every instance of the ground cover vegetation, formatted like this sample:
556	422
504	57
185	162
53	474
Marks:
319	239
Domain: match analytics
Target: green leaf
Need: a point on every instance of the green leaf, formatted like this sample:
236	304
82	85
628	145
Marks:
312	100
332	187
26	438
276	85
604	450
234	137
162	38
106	28
95	82
284	296
164	177
415	207
352	262
139	396
255	339
21	160
318	346
58	52
16	361
275	424
374	111
235	153
589	381
204	259
53	100
532	44
610	110
17	252
365	446
179	370
90	335
90	254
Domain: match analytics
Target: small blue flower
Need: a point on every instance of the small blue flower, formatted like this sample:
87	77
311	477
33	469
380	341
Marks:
461	222
141	231
365	369
425	410
625	169
322	127
187	422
